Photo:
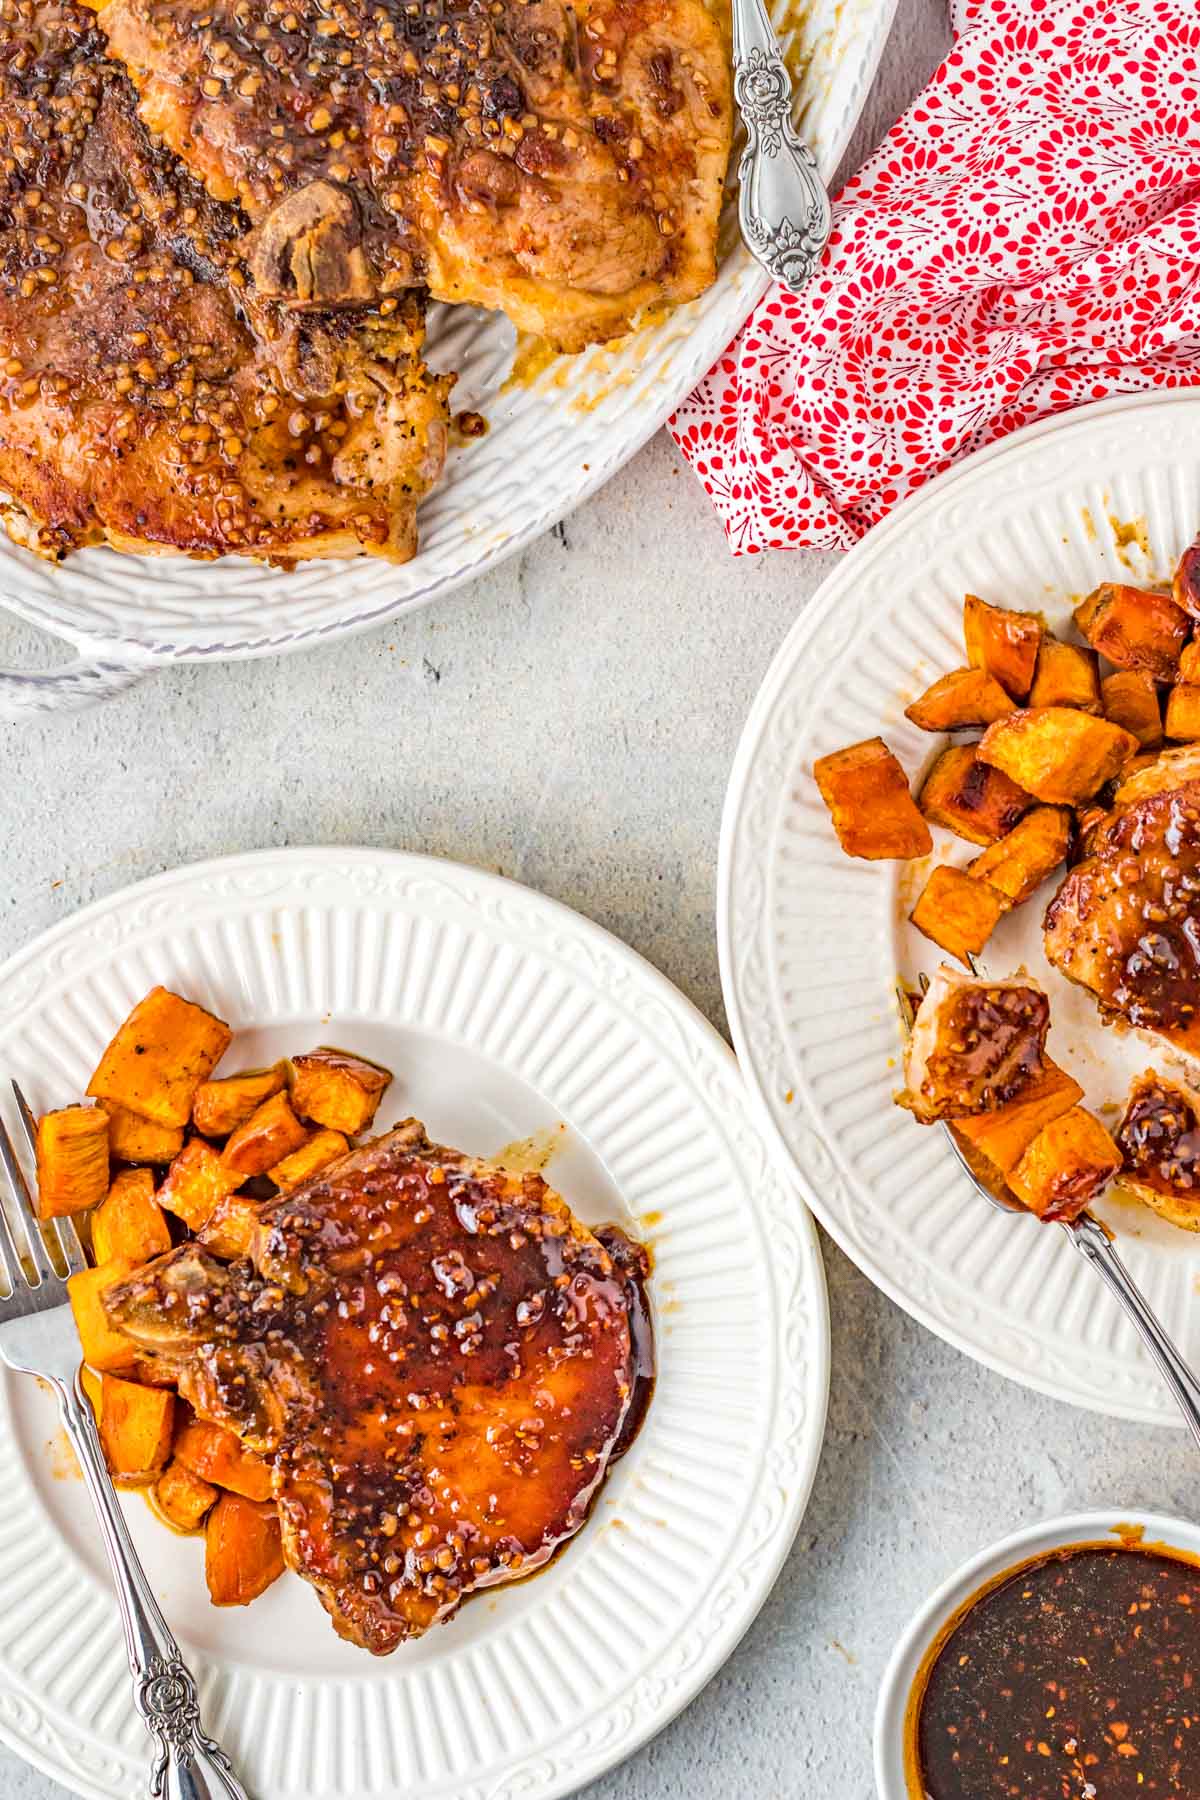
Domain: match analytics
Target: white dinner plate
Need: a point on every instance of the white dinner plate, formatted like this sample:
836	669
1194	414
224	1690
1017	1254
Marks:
504	1016
558	428
812	941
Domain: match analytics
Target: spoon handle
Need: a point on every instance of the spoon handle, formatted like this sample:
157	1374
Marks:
783	208
1096	1247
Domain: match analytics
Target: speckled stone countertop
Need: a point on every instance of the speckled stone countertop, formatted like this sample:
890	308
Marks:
570	721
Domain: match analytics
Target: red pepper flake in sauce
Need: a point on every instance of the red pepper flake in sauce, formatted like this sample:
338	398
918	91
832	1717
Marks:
1076	1678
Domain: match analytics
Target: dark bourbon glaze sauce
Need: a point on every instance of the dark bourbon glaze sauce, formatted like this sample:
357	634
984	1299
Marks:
1073	1677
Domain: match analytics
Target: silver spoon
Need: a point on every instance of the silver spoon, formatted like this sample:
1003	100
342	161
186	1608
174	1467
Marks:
783	209
1093	1243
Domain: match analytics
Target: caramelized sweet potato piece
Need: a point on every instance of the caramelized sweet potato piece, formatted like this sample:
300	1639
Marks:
1134	629
1056	753
222	1105
72	1160
958	911
1186	586
1004	643
1189	661
133	1139
1131	701
1018	863
135	1429
1002	1136
868	798
323	1147
965	697
243	1550
339	1091
1183	713
1066	675
129	1222
1069	1163
161	1054
195	1181
183	1497
970	798
270	1133
215	1455
229	1228
104	1348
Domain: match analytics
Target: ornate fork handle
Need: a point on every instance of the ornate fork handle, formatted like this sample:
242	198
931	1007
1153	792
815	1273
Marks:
1094	1245
187	1765
783	208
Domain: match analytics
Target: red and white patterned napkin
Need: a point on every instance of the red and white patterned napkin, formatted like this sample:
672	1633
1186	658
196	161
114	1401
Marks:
1027	238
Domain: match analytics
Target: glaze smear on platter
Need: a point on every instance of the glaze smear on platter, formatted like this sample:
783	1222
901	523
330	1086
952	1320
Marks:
1077	1677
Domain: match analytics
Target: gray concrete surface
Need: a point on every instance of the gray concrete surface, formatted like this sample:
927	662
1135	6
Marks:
570	721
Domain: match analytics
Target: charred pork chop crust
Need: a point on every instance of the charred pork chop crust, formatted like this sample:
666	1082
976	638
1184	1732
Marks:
438	1359
561	162
147	397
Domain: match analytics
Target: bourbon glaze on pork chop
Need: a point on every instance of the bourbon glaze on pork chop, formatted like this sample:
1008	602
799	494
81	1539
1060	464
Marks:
438	1359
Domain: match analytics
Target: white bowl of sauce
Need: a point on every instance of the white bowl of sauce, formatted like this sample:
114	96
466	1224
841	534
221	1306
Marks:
1062	1661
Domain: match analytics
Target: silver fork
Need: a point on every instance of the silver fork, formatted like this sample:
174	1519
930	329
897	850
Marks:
1093	1243
38	1337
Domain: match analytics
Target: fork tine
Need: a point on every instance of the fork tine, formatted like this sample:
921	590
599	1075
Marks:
68	1237
39	1256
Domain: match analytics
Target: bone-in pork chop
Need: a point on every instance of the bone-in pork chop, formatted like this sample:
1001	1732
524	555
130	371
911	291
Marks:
1126	921
145	400
560	162
438	1359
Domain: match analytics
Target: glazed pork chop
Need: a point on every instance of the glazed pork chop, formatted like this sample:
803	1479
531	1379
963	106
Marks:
560	162
974	1045
1125	923
439	1361
144	400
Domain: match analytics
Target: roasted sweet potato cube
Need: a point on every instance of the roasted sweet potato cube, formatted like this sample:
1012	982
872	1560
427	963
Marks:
323	1147
1069	1163
163	1051
195	1181
867	794
133	1139
135	1429
1131	701
1001	1137
1189	661
243	1550
1185	588
1066	675
339	1091
958	912
965	697
1057	754
129	1222
1183	713
105	1349
72	1160
1019	863
183	1497
970	798
1134	628
215	1455
228	1101
270	1133
229	1228
1002	642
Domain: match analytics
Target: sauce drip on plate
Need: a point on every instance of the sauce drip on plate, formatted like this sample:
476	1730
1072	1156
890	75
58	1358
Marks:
1076	1677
